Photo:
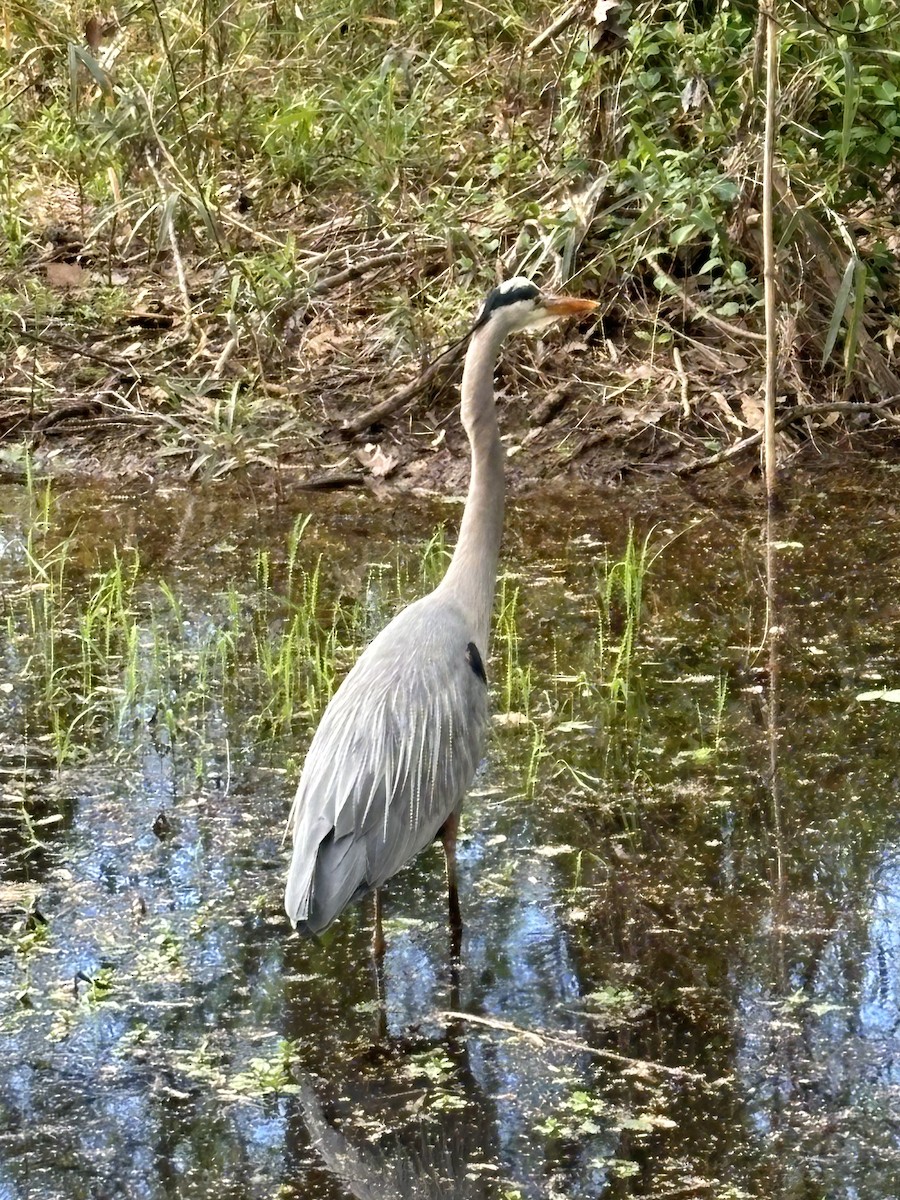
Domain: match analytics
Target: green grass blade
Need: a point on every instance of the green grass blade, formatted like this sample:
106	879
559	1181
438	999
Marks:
851	342
851	105
840	306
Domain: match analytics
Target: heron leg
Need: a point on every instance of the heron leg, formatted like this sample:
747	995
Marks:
448	837
379	946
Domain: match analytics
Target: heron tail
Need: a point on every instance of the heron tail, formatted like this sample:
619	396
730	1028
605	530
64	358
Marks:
321	884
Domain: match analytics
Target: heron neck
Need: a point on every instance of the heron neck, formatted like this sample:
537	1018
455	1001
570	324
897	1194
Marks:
472	573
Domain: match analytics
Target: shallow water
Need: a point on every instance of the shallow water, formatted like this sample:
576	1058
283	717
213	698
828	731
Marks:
677	979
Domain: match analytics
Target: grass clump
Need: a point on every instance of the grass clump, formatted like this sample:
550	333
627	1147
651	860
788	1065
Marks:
105	651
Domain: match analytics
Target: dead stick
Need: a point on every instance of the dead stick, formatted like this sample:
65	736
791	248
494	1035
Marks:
570	1043
224	358
770	270
557	26
696	309
392	403
803	410
363	268
118	364
770	441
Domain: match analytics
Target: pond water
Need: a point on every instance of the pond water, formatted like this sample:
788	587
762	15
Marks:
680	976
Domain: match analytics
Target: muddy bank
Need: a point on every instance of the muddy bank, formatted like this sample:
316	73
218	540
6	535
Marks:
336	391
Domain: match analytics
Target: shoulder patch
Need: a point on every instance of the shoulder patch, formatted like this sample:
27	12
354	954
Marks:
475	661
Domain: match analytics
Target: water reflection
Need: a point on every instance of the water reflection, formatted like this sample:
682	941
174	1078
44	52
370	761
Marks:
645	1011
369	1143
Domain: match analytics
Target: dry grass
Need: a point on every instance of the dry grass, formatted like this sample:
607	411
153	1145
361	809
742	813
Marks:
229	235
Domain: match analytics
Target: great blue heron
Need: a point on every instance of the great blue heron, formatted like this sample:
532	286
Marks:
399	742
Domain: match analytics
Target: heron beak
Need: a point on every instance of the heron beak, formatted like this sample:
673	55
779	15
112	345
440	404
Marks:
567	306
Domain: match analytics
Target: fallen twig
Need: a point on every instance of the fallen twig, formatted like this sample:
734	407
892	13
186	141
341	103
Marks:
540	1038
881	409
122	365
399	398
684	382
290	314
225	357
558	25
69	423
330	282
324	483
71	412
698	310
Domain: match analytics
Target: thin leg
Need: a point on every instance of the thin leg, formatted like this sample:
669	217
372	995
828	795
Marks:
448	837
379	947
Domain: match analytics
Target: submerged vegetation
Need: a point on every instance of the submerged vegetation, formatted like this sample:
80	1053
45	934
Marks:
224	230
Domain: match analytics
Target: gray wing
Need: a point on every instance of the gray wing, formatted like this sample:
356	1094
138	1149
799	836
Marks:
396	750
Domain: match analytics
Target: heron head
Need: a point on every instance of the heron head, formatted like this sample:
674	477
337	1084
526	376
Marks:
519	304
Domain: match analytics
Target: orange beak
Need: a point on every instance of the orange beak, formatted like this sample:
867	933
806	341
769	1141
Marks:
567	306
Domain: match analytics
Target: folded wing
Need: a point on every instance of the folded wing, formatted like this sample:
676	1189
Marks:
396	750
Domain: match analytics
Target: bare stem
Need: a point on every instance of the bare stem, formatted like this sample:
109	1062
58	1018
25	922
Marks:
771	464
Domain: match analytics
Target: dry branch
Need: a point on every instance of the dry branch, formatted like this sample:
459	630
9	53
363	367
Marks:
330	282
540	1038
804	410
121	365
770	271
399	398
698	310
333	482
558	25
289	315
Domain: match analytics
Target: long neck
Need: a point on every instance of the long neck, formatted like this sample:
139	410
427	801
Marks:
472	573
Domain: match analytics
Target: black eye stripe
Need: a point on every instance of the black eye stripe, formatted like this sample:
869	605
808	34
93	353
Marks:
500	297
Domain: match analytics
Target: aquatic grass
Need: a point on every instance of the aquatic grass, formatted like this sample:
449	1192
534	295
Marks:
295	539
434	559
99	656
280	643
402	578
294	648
711	729
708	738
620	591
40	498
721	701
43	607
609	693
515	678
588	726
104	626
128	663
303	643
594	705
536	754
298	667
17	806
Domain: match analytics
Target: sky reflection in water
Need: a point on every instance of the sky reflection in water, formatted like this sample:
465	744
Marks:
703	1029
